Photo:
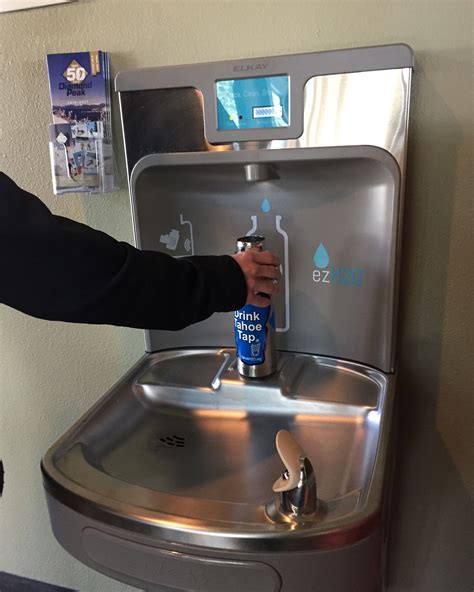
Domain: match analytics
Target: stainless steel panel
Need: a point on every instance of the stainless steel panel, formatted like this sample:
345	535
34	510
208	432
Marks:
354	568
179	571
196	465
299	67
356	108
359	109
345	199
365	108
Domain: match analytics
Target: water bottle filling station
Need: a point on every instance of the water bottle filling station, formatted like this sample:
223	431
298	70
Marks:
188	475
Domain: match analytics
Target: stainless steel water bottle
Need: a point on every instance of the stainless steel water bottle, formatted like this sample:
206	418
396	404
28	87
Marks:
255	328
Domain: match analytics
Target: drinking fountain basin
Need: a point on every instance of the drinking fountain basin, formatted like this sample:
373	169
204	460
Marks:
179	459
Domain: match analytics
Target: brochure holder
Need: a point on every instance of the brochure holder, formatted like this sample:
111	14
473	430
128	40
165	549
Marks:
80	137
81	158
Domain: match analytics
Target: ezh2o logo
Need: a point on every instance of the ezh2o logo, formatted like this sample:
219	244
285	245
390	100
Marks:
344	276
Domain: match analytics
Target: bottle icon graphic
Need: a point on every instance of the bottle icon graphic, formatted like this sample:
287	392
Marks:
276	239
188	242
179	241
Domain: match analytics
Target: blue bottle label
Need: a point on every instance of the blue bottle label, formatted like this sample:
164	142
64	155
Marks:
250	323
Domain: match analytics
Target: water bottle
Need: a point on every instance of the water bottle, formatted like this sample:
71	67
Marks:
255	328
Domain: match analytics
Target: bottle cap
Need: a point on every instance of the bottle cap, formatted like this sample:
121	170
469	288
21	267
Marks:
253	241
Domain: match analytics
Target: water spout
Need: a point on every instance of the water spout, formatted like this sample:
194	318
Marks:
260	172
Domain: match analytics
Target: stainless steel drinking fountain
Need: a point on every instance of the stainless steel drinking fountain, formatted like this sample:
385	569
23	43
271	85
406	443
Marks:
173	480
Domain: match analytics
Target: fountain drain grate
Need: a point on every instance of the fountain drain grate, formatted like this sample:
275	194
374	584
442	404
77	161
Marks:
169	441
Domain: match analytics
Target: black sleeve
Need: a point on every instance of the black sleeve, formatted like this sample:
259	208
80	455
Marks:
54	268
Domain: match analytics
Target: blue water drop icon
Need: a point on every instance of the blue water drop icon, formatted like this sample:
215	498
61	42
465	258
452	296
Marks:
321	257
265	206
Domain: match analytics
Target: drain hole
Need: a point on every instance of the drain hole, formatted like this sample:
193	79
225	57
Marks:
172	441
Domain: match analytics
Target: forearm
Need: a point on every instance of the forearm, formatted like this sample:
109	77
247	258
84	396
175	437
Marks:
58	269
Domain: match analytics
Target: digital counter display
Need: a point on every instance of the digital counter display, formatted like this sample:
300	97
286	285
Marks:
249	103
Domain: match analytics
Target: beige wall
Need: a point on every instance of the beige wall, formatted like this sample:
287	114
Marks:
52	372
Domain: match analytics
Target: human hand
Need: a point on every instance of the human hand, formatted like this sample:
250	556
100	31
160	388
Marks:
262	272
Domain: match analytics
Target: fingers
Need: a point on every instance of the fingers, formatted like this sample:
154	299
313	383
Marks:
265	258
264	278
269	272
266	286
262	272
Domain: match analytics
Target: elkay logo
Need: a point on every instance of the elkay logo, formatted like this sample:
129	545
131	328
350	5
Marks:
248	67
323	274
